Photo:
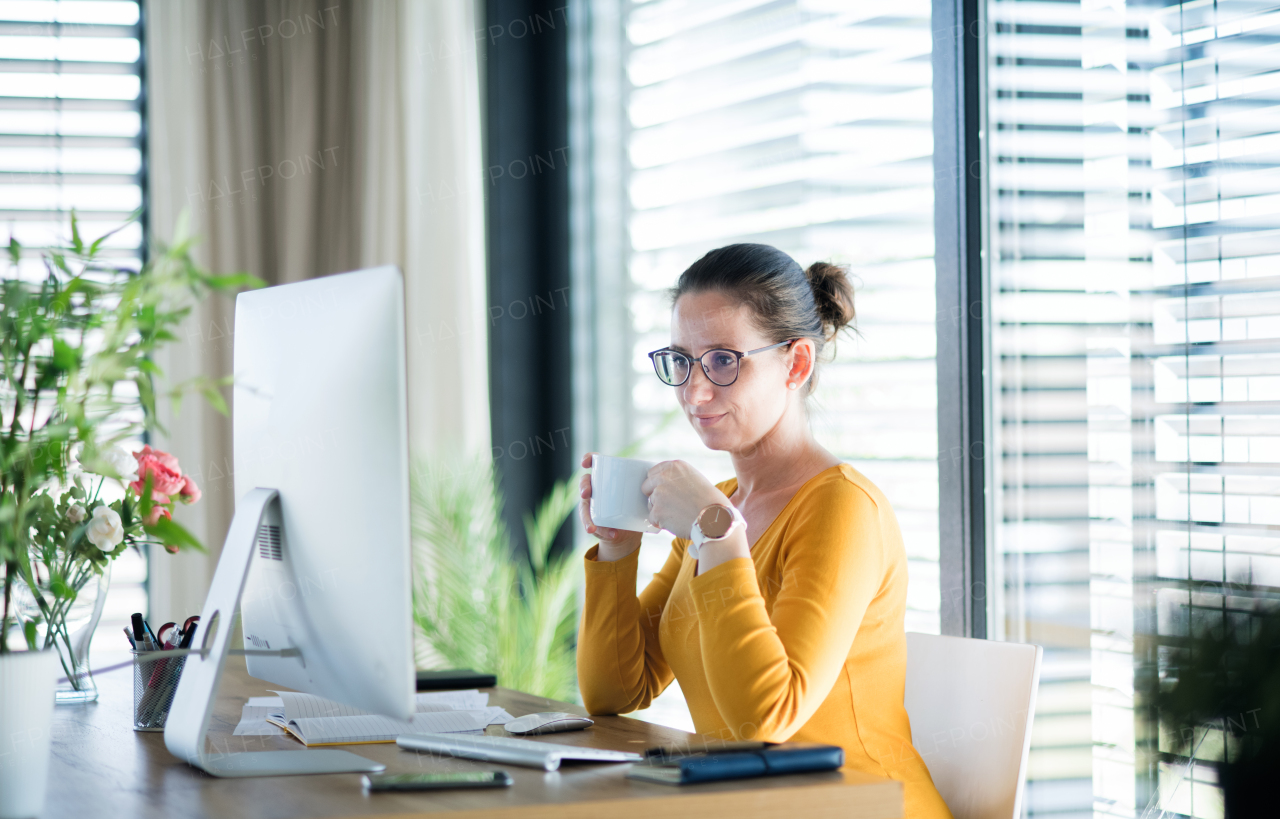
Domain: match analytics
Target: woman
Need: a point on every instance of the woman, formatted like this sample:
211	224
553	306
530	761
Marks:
785	620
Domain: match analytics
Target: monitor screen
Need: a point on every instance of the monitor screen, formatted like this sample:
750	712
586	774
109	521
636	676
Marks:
319	414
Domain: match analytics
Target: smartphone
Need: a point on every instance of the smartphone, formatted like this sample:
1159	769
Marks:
436	781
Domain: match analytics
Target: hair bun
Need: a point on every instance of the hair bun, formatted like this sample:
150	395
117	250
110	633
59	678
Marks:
832	295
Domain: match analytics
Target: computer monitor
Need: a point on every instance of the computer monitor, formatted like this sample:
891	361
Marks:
319	415
318	555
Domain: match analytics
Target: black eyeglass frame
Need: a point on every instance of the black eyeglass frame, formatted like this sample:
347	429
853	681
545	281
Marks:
705	370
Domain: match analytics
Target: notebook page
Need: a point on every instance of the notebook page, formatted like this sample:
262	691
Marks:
373	728
310	706
274	701
287	728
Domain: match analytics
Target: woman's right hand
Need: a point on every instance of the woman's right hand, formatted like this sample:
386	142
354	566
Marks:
615	544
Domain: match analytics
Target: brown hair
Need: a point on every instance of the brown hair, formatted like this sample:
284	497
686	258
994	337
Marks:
787	301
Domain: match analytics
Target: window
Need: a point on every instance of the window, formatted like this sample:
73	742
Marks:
801	124
71	138
1134	384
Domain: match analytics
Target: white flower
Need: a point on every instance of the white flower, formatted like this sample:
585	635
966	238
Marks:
105	530
76	513
125	465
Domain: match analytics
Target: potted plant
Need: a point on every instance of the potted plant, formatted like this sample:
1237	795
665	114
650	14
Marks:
1219	700
77	370
476	602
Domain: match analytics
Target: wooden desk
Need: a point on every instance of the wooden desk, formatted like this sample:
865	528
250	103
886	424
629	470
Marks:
102	768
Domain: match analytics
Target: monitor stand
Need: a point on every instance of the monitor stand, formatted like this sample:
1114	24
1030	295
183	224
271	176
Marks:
188	723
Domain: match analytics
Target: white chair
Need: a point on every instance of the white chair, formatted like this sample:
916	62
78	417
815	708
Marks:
971	704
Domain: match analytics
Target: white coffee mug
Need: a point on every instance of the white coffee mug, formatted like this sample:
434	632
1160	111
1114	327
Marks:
616	499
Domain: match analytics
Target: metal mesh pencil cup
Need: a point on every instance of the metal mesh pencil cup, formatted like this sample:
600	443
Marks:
154	684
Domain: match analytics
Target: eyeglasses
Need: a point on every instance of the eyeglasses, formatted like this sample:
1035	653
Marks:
722	369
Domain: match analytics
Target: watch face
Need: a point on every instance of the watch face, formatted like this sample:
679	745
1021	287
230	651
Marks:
715	522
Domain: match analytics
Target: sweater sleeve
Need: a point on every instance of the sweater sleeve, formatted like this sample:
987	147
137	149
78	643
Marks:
620	664
769	675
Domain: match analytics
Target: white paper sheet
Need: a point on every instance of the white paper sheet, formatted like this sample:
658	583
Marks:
253	720
253	716
309	706
458	700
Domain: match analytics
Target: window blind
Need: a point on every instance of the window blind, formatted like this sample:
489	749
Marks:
1049	300
805	125
1134	184
1214	352
71	137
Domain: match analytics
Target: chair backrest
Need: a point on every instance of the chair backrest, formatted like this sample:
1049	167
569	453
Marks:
971	705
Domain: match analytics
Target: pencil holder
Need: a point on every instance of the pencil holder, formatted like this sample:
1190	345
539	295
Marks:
154	683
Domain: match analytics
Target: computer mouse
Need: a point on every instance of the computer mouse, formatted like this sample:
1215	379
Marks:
547	722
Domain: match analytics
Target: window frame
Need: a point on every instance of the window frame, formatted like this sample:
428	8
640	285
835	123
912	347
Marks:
962	287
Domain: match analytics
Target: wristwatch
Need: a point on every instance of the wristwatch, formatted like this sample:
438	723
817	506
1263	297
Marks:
715	522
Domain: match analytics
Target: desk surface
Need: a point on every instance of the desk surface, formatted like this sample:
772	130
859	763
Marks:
101	767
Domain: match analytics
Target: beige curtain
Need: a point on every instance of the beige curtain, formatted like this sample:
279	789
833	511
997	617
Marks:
309	137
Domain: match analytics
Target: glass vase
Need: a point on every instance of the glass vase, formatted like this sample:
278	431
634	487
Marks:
72	638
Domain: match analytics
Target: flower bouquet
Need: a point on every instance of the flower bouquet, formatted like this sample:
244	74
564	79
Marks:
76	534
77	368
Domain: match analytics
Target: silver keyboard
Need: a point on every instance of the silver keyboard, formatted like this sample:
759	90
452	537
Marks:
527	752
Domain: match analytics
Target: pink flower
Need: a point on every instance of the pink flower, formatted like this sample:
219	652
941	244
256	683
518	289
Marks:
190	493
157	512
166	475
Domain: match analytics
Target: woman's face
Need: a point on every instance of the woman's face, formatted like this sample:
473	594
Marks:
733	418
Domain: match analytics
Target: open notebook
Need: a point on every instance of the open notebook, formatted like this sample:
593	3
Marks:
315	721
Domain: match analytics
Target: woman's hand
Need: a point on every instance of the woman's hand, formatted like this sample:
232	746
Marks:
615	544
677	493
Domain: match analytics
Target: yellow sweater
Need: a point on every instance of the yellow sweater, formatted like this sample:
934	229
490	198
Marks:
803	641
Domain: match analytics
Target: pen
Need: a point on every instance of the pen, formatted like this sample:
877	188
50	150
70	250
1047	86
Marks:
143	669
151	634
132	644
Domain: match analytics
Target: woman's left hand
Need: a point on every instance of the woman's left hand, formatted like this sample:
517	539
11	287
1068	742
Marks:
677	493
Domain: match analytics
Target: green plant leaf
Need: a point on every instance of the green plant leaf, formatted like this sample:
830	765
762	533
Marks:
235	281
214	397
76	242
172	533
97	243
64	355
541	528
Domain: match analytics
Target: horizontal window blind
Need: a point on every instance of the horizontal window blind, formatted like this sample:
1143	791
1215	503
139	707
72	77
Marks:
1134	180
805	125
71	137
70	121
1214	350
1049	298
